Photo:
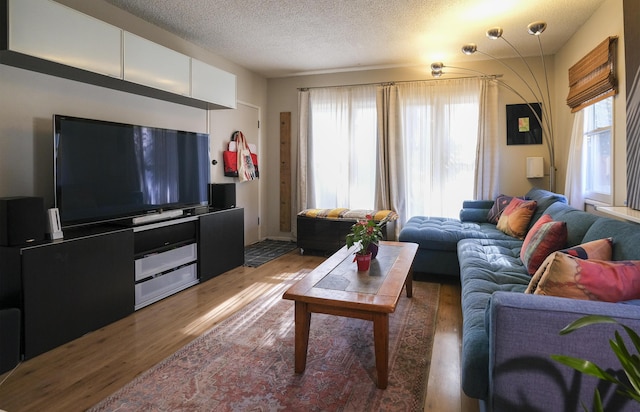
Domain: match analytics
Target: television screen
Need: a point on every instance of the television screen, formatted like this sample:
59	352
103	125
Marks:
106	170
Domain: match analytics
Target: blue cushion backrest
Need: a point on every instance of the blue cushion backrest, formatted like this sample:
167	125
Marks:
626	237
544	198
578	222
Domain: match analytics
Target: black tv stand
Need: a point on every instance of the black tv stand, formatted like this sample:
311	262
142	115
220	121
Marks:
99	274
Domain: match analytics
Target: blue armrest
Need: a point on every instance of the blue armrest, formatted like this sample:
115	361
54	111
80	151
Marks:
475	210
524	332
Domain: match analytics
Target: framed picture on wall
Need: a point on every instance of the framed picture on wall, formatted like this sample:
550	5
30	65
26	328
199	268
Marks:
522	125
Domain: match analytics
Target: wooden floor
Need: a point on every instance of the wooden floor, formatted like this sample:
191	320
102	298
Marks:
79	374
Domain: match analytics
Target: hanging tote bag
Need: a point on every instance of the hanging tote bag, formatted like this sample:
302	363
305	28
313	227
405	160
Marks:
240	162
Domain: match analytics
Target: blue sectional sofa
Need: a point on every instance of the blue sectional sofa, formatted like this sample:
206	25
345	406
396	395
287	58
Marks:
508	336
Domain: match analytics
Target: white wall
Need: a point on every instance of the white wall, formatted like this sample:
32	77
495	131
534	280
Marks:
606	21
30	99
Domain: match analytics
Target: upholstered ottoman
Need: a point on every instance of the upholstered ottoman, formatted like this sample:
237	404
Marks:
323	231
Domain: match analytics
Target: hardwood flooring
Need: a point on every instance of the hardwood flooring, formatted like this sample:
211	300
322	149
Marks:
79	374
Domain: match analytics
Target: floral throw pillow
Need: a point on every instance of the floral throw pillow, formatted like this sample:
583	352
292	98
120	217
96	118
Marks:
545	237
515	218
571	277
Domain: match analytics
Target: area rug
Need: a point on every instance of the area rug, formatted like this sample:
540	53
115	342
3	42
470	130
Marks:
265	251
246	363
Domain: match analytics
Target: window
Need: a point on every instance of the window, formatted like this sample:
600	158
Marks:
597	153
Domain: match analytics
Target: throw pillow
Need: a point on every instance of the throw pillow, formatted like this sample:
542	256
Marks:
571	277
515	218
502	201
545	237
600	249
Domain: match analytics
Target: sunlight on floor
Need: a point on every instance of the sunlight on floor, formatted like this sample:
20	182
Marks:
229	306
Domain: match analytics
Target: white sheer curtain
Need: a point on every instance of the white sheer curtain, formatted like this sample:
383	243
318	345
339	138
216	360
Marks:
487	159
338	157
574	185
438	127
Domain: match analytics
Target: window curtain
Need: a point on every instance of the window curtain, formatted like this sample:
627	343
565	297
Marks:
417	152
337	152
302	177
431	139
574	185
487	159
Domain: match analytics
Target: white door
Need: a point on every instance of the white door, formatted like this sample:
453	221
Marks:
224	123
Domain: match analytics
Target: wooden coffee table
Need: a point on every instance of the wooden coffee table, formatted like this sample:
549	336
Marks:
337	288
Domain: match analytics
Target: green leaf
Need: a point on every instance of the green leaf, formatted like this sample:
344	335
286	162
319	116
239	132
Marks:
597	402
586	321
585	366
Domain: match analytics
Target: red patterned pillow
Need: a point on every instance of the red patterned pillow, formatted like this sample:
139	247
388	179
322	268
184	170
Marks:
545	237
568	276
601	249
516	216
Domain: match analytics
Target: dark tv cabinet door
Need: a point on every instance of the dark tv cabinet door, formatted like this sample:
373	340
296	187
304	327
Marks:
221	242
75	287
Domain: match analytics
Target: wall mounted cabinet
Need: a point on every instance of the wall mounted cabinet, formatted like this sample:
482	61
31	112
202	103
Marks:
50	38
155	66
213	85
51	31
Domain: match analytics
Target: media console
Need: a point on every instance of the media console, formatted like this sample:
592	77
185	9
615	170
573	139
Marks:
97	275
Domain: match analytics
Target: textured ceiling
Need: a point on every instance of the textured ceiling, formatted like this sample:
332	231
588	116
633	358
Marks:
279	38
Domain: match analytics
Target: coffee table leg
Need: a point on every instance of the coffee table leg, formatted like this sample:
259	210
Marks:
381	342
303	320
409	283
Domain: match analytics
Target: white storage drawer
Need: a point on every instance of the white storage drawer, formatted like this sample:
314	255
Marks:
160	262
165	285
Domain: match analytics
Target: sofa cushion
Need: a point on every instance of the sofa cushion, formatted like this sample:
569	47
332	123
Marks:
578	221
486	266
515	218
600	249
626	237
544	237
568	276
441	233
544	199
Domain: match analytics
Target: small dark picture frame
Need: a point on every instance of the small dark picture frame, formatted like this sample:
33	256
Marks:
522	125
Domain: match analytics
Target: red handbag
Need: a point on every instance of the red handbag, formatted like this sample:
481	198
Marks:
230	160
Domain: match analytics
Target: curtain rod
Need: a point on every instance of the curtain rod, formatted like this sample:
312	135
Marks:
490	76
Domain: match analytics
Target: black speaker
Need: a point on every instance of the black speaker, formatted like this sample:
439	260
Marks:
222	195
22	220
9	338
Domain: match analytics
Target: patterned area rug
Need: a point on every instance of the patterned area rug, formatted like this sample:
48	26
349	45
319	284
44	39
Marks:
246	362
262	252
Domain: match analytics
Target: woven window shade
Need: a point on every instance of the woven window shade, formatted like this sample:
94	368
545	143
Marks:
593	77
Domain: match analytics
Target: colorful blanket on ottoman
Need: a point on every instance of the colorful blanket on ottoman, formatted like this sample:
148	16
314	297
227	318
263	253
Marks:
353	214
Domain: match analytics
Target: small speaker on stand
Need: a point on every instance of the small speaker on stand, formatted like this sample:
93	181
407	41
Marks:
21	220
222	195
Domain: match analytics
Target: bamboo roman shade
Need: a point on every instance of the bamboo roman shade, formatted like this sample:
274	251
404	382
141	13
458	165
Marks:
593	77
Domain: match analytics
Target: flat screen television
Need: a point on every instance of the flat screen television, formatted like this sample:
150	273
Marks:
108	171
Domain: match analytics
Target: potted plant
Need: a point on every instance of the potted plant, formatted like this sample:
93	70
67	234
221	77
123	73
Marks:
630	361
366	233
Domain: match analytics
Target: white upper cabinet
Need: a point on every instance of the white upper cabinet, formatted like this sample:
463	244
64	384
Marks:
156	66
212	85
54	32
